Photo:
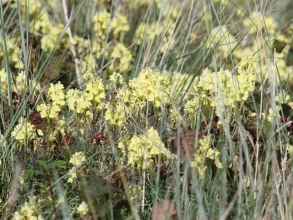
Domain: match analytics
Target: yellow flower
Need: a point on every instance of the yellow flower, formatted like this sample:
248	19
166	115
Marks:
119	24
122	58
83	209
203	152
258	22
21	83
80	101
28	211
102	24
56	93
24	131
116	117
48	41
77	158
221	40
143	148
54	111
72	175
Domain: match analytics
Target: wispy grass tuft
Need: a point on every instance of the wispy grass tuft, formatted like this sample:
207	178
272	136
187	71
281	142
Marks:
154	109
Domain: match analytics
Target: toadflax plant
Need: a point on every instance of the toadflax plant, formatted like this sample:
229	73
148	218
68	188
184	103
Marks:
176	109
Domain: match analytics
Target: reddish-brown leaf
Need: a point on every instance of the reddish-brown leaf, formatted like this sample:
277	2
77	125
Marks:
186	140
164	210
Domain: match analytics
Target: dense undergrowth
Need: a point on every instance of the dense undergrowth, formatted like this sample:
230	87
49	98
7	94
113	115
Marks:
150	109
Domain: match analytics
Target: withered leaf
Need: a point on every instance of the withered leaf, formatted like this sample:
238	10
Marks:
164	210
185	143
258	128
36	120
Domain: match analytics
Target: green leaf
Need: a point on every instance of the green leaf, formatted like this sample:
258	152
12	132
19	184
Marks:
32	173
57	163
96	187
42	164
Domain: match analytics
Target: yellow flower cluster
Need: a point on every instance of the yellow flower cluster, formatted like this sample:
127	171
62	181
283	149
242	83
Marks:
49	110
21	84
142	149
275	67
14	52
186	88
41	23
116	79
162	33
48	42
221	40
205	151
258	22
28	211
89	63
183	85
33	5
227	89
192	106
77	101
119	24
56	94
245	79
95	91
38	17
24	132
121	59
285	37
103	24
175	117
115	116
16	58
57	97
134	191
116	112
82	209
72	175
167	8
273	114
216	83
80	101
76	159
280	68
150	85
282	96
222	89
3	81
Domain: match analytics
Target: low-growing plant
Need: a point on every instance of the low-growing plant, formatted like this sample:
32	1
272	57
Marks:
153	109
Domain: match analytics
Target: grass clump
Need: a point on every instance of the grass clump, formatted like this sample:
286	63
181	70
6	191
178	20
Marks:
146	109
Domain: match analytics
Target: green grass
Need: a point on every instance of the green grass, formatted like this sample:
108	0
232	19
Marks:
176	109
